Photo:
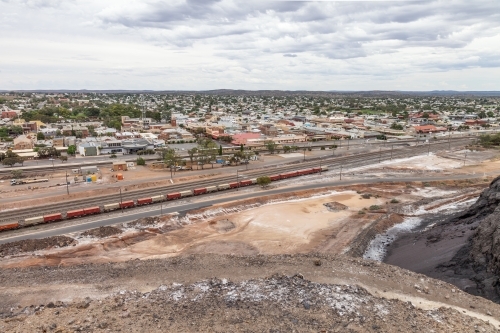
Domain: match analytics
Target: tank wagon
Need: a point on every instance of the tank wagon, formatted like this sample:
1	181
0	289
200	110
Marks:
54	217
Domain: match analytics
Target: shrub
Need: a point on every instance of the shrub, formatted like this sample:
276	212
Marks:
112	156
140	161
361	212
394	201
366	195
322	147
375	207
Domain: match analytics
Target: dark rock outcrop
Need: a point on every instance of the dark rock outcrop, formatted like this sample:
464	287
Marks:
480	258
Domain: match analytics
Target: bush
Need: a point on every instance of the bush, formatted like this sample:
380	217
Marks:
375	207
394	201
112	156
361	212
322	148
366	195
140	161
264	181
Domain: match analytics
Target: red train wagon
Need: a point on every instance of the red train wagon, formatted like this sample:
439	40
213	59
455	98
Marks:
246	182
144	201
92	210
52	217
316	170
75	213
198	191
233	185
127	204
173	196
9	226
275	177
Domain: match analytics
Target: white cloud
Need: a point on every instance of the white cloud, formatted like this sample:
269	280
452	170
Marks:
195	44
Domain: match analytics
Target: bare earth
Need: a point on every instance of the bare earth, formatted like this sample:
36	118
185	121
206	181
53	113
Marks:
269	264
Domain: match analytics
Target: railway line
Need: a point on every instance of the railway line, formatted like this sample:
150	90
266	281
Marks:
37	170
332	162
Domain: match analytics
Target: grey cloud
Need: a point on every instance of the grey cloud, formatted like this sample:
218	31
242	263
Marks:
290	55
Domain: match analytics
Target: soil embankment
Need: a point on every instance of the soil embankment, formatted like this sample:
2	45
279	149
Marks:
463	249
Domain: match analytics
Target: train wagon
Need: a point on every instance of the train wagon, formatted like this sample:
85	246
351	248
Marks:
254	180
33	221
234	185
75	213
9	226
275	177
110	207
316	170
211	188
127	204
92	210
198	191
186	193
173	196
246	182
222	187
158	198
52	217
144	201
324	168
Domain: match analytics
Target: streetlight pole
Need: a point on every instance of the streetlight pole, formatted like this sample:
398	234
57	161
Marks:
67	185
121	200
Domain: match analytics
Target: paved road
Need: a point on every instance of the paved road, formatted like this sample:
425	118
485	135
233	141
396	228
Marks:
180	207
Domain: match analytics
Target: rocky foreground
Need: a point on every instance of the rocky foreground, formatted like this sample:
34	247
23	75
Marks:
212	293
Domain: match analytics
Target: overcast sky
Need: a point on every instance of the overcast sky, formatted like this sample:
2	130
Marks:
250	44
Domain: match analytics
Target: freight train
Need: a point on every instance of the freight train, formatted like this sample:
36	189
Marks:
55	217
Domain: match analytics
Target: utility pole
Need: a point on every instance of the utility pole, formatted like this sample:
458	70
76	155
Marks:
348	143
237	180
380	154
465	157
340	172
320	165
304	155
67	185
161	208
121	200
392	148
449	142
429	148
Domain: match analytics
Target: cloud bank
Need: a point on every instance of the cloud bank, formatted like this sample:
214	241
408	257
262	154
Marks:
211	44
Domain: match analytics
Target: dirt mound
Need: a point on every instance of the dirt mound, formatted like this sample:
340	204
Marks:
335	206
222	226
102	232
31	245
250	294
145	222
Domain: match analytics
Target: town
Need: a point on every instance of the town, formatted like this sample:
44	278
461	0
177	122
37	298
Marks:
191	128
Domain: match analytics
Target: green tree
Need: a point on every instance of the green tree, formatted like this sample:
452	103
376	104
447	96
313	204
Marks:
17	173
72	150
286	149
10	161
270	145
220	150
264	181
140	161
40	136
396	126
63	158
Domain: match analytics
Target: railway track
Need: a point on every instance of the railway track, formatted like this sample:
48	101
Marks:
37	170
332	162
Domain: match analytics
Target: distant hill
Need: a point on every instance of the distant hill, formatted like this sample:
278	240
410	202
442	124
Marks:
231	92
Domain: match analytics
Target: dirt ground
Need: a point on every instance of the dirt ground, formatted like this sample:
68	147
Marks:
225	293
